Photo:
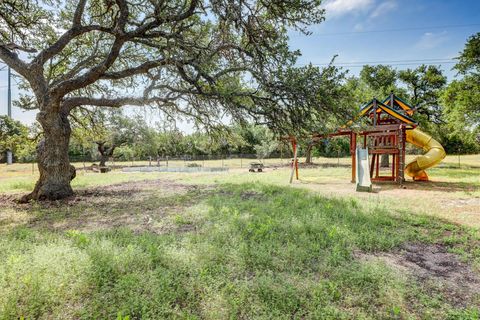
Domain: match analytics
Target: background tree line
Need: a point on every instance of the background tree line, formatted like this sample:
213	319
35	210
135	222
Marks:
448	111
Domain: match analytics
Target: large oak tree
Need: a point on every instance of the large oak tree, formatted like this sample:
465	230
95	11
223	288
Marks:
203	59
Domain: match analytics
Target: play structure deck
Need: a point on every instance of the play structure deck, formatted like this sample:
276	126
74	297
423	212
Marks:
389	127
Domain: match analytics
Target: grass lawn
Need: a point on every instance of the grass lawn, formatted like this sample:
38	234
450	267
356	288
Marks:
242	246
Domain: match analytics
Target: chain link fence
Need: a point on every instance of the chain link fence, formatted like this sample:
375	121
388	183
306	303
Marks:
190	161
234	161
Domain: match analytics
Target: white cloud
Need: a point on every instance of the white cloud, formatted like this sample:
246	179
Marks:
342	7
383	8
430	40
359	27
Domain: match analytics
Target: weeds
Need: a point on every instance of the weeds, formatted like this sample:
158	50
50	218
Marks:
278	253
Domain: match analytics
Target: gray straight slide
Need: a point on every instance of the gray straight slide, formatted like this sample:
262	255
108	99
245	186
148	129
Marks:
363	171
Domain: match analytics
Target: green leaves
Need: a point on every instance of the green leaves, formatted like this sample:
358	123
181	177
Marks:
308	99
14	136
425	84
461	100
380	78
216	56
469	60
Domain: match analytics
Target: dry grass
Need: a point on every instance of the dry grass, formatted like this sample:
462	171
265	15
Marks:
453	193
240	245
157	206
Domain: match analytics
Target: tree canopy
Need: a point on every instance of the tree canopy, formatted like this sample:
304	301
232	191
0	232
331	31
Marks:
424	86
199	59
310	100
462	96
108	130
381	79
188	57
14	136
469	59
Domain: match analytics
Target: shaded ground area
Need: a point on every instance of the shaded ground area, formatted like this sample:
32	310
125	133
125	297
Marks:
147	205
160	249
453	192
437	270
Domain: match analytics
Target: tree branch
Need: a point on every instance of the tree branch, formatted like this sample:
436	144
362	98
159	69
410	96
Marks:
141	69
77	18
13	61
74	102
94	73
64	40
140	31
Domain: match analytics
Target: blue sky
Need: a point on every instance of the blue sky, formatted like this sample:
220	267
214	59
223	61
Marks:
347	33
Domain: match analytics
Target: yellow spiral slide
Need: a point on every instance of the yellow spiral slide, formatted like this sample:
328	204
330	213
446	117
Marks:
433	156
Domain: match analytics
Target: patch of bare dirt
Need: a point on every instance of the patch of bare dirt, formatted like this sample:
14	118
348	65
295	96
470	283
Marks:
132	187
435	268
124	189
8	198
463	202
146	205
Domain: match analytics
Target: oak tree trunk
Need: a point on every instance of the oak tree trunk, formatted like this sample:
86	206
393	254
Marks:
103	160
308	155
54	166
105	153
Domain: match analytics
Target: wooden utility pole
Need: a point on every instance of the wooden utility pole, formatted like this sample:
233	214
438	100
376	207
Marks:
9	110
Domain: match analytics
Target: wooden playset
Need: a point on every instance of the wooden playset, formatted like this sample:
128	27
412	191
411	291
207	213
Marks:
390	127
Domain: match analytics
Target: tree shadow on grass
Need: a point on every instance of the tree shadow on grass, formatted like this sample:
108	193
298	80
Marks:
279	223
153	205
270	251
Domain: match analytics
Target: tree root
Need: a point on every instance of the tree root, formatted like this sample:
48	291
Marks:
46	190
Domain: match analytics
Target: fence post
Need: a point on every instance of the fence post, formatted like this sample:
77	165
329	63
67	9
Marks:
33	167
167	161
83	160
241	162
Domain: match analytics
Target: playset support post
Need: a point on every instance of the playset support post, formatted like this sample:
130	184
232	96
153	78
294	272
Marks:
353	147
295	160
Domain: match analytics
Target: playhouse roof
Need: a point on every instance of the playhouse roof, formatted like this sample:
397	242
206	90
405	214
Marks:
401	110
400	104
